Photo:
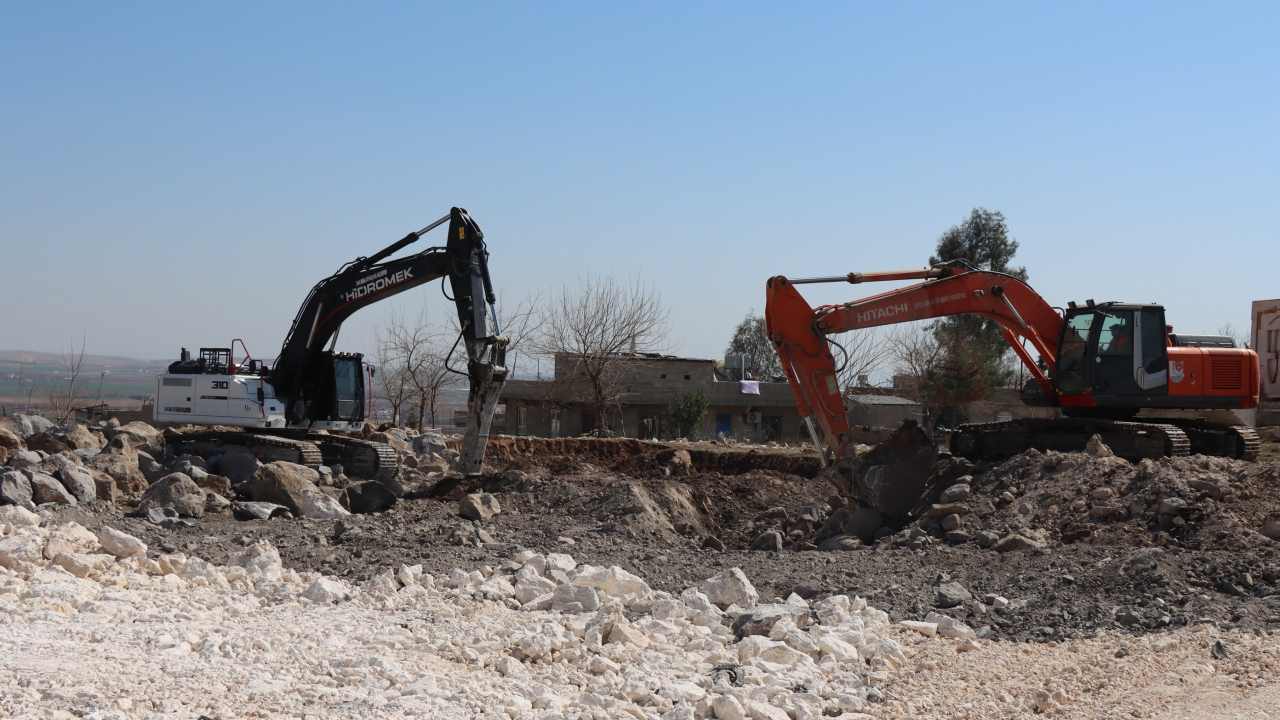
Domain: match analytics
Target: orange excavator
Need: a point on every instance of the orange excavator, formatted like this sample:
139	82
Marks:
1101	363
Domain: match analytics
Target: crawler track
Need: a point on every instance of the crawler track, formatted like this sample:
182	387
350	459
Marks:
267	447
1129	439
359	458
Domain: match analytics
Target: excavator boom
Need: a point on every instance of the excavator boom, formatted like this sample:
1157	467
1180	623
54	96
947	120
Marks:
798	331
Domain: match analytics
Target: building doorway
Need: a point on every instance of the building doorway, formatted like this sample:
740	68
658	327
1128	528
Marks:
724	424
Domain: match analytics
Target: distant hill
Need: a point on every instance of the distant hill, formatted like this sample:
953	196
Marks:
97	361
103	377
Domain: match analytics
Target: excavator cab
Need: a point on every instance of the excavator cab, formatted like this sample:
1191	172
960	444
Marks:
332	397
1113	350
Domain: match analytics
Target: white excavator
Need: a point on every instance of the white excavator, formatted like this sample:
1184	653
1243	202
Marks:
304	407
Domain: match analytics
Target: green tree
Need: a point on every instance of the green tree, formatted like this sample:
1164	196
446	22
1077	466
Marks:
960	375
751	338
982	240
972	359
687	411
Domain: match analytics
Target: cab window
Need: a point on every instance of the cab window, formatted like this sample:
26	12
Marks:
346	378
1153	340
1116	335
1075	338
1071	374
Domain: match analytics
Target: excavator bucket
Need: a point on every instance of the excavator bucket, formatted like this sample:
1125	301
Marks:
892	476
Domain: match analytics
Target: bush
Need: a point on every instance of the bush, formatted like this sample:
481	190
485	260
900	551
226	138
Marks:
687	411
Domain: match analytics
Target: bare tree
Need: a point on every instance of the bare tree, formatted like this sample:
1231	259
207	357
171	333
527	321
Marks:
64	395
858	353
27	387
414	352
392	382
1241	339
915	353
595	327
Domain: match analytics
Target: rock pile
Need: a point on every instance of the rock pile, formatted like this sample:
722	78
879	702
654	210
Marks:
1035	500
538	636
42	464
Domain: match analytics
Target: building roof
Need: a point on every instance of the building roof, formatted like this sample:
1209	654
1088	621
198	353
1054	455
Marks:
881	400
721	394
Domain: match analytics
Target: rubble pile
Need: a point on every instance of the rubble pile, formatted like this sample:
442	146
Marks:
77	464
1036	500
537	636
100	625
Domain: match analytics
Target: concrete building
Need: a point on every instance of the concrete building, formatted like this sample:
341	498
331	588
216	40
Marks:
751	410
881	411
1264	338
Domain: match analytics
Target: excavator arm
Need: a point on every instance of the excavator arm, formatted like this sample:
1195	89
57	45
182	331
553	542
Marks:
799	336
367	280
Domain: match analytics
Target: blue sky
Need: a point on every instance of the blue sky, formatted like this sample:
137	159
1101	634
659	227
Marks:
181	174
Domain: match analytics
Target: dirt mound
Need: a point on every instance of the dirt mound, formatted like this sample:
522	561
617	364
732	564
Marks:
1062	498
642	458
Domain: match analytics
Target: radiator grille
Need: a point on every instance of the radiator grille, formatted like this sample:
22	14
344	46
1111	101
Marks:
1226	372
175	382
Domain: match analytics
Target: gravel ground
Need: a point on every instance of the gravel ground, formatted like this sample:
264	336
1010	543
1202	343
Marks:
616	504
148	634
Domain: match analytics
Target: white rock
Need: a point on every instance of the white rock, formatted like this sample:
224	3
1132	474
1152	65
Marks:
498	587
318	506
730	587
600	664
757	710
542	602
628	635
529	588
615	582
27	549
884	650
569	597
950	627
327	590
81	564
18	516
837	648
560	561
927	629
681	691
261	560
697	601
511	667
409	575
120	544
727	707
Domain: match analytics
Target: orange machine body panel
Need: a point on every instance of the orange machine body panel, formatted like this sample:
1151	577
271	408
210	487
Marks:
1214	372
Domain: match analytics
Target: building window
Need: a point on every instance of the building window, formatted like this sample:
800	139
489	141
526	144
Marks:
522	417
664	376
688	377
588	422
772	427
555	424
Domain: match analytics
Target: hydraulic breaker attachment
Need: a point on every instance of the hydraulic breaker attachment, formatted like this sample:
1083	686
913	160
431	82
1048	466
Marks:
488	375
